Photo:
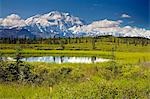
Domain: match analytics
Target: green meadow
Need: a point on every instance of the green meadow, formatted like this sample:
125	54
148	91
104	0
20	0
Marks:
126	76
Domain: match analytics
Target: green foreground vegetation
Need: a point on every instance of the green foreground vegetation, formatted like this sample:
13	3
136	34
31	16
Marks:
126	76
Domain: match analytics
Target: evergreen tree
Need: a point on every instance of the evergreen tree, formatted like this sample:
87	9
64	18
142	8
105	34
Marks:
62	44
93	43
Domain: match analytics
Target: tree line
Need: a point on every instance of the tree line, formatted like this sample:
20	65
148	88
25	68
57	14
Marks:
62	41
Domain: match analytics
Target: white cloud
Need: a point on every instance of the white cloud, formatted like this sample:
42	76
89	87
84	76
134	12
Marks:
12	21
109	27
105	23
13	17
98	27
125	16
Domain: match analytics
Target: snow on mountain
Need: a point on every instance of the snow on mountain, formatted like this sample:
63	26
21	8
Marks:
47	25
109	27
60	24
52	23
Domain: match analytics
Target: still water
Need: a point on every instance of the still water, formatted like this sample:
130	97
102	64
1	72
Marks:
64	59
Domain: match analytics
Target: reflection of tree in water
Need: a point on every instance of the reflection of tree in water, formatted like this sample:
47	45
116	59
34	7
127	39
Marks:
54	59
93	59
62	59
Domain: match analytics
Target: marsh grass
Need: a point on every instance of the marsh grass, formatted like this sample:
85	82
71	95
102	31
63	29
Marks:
126	77
88	81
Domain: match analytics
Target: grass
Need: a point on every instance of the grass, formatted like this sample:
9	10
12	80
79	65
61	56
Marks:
85	81
127	78
15	91
128	57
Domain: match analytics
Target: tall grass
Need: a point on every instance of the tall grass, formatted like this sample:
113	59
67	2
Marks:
126	77
98	81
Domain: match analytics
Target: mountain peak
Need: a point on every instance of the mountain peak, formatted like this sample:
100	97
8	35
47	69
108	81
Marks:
64	24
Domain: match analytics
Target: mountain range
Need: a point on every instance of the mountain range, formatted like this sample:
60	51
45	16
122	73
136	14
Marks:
59	24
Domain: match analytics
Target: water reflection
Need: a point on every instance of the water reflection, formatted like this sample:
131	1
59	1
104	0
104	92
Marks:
64	59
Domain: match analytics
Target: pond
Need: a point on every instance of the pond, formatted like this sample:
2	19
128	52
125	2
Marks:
60	59
65	59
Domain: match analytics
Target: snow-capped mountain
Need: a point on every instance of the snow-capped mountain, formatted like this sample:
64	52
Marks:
47	25
58	24
53	23
109	27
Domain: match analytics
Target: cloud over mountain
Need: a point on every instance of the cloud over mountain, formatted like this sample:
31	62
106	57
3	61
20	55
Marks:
12	21
105	24
125	16
66	25
109	27
97	26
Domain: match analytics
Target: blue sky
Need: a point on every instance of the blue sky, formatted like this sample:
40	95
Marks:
88	10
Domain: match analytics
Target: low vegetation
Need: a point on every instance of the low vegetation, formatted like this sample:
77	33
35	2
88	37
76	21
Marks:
101	80
126	76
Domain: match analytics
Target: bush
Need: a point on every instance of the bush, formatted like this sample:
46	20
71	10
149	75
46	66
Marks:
58	75
12	72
